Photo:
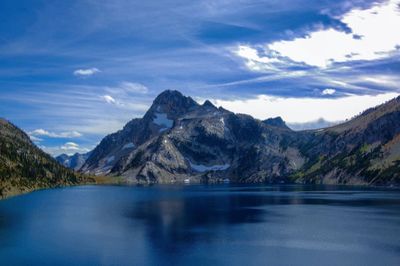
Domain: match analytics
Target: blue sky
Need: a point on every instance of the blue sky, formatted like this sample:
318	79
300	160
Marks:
73	71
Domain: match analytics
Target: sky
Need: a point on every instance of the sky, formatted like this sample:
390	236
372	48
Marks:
74	71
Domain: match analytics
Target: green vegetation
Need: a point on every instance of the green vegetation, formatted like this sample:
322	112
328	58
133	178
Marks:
24	167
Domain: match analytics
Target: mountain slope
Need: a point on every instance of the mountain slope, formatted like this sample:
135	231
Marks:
24	167
364	150
179	139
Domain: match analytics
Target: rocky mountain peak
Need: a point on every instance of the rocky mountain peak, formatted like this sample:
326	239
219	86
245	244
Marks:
172	103
209	104
276	122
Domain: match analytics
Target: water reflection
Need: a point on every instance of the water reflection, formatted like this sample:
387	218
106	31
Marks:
172	222
198	225
183	219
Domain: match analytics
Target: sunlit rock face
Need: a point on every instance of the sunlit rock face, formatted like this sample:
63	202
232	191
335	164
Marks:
179	140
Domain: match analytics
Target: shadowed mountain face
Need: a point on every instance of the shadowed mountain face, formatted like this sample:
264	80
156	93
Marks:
24	167
179	139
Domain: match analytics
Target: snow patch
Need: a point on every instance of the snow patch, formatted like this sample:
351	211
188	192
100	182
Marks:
162	120
129	145
103	171
205	168
110	159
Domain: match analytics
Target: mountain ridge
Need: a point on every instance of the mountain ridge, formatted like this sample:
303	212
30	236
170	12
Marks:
178	140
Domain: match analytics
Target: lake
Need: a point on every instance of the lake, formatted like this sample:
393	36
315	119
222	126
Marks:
202	225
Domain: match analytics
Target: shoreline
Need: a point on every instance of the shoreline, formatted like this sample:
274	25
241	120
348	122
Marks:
118	181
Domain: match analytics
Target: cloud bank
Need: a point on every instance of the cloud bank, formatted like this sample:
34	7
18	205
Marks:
372	35
301	110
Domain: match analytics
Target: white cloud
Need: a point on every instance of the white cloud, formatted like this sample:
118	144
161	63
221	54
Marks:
374	35
300	110
68	148
122	95
132	87
109	99
328	92
86	72
35	139
43	132
254	61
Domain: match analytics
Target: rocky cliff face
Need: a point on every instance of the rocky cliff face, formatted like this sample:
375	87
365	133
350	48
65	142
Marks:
24	167
178	139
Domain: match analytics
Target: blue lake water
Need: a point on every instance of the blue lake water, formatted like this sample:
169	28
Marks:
201	225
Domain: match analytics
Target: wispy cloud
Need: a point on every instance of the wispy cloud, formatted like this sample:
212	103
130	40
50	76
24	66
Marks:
43	132
70	146
86	72
132	87
109	99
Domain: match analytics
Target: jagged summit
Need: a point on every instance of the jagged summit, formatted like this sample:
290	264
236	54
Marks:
276	122
172	103
174	97
168	94
207	103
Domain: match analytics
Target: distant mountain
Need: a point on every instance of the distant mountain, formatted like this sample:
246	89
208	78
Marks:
317	124
179	139
74	162
24	167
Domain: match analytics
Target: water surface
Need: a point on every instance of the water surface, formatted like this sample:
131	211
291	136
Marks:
201	225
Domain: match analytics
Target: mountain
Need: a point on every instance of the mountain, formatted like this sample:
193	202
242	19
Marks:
364	150
74	162
24	167
179	139
317	124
